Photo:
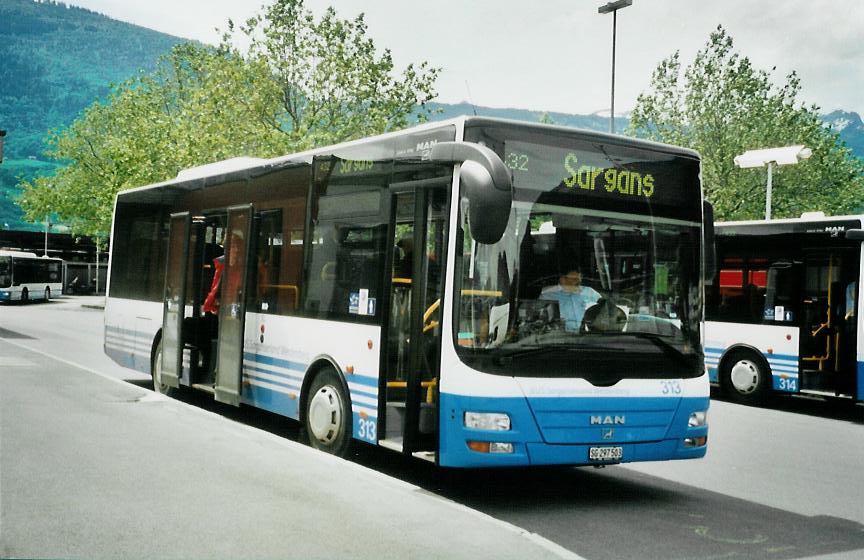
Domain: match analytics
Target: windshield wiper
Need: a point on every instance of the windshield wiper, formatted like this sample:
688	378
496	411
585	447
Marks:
660	342
535	350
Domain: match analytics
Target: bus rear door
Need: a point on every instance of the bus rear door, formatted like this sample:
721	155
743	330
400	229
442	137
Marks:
232	306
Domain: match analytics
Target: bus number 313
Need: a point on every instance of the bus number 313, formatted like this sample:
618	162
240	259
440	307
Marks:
367	430
671	387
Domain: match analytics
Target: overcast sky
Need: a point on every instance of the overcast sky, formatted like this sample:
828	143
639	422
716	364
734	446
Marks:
555	55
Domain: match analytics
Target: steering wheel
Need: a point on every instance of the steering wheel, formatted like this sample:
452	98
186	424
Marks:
603	316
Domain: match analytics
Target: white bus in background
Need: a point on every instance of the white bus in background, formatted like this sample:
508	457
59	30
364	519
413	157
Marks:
27	277
783	313
390	290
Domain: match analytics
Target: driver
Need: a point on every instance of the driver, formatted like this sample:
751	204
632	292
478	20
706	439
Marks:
573	298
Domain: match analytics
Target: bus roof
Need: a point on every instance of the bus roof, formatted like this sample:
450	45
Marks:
808	218
240	168
808	224
24	255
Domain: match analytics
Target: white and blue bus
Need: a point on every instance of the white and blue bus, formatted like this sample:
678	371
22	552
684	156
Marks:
783	312
25	277
396	290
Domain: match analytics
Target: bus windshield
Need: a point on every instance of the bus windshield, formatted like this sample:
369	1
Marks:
5	272
578	288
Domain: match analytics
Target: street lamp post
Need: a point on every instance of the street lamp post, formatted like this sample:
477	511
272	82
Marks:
605	9
47	227
789	155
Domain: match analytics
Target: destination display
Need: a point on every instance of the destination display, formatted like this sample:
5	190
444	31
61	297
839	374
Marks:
601	173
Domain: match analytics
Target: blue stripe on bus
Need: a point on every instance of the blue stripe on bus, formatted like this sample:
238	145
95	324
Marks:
279	362
357	378
281	381
363	380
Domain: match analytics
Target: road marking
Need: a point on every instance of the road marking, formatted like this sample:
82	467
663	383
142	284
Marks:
12	361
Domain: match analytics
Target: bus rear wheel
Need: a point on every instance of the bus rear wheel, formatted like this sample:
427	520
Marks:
328	414
156	374
745	378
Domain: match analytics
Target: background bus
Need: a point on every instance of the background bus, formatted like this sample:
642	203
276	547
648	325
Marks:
26	277
396	290
783	312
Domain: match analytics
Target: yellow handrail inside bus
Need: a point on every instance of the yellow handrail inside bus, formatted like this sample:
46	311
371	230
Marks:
428	385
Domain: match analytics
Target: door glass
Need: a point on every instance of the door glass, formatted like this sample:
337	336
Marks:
174	299
232	307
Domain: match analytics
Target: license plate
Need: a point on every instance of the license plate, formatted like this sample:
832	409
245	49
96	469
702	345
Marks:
605	453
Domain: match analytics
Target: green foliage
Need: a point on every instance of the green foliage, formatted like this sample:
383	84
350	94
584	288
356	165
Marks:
302	83
724	107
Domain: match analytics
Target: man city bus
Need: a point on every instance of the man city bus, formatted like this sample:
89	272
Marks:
416	291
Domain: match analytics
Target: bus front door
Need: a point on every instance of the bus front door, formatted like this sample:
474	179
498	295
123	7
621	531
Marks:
232	306
413	324
174	299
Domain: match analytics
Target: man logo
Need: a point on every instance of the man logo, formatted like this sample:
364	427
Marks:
605	420
608	433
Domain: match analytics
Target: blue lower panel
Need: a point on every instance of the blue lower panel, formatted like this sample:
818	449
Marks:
271	401
664	450
860	396
530	447
123	358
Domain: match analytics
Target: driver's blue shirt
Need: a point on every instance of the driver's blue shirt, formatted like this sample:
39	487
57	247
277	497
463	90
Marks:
572	305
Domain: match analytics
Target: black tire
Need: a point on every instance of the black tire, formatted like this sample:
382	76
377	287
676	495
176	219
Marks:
25	295
155	374
745	377
328	419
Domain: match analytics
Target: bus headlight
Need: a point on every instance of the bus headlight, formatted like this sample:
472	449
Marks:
496	421
697	419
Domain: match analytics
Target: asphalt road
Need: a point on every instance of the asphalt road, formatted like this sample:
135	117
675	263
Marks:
778	483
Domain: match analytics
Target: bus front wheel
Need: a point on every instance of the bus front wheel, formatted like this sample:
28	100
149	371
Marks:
25	295
745	378
328	414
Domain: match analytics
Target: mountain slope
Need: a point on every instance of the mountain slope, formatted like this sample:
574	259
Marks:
55	60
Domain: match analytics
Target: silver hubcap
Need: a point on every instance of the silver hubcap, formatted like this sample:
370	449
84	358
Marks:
325	414
745	376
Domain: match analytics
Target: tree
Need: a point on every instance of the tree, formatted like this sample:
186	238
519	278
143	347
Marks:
724	107
300	83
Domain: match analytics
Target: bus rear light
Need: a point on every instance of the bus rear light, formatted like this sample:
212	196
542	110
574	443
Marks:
496	421
695	441
490	447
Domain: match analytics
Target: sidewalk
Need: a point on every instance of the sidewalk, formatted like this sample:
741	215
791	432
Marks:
92	467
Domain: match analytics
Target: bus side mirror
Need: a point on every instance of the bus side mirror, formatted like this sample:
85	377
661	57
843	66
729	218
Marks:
485	182
855	234
710	249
